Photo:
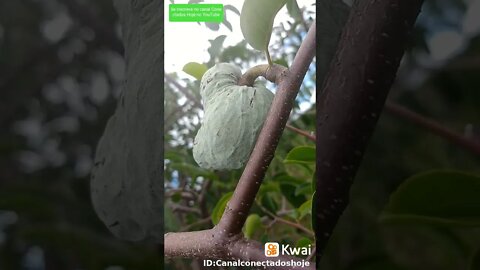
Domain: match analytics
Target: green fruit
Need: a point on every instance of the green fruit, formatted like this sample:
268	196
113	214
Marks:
233	118
252	224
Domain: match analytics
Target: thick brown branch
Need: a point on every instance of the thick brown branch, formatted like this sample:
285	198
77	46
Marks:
214	244
352	98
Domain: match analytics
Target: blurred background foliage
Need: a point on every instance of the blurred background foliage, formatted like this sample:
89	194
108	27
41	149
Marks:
61	71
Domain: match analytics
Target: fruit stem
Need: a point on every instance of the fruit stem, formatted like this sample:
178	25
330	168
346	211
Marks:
272	73
269	59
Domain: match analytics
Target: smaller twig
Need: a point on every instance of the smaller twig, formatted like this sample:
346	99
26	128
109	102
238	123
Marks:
185	209
295	225
184	194
433	127
205	186
304	133
267	54
203	221
285	221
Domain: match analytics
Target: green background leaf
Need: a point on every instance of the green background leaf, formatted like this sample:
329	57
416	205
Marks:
195	69
301	155
220	207
438	197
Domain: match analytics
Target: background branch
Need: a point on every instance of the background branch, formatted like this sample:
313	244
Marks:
184	91
353	96
433	127
304	133
286	221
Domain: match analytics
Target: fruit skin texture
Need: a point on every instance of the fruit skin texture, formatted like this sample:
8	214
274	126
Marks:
233	118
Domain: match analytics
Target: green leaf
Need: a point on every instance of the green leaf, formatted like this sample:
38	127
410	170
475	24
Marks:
220	207
281	62
216	46
212	26
176	197
252	224
301	155
232	8
174	156
436	197
304	209
288	190
256	21
195	70
294	10
269	203
304	189
227	24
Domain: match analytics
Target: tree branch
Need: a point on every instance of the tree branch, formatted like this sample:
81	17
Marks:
304	133
353	96
286	221
226	240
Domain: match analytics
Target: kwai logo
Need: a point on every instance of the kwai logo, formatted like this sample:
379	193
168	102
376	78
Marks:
272	249
295	251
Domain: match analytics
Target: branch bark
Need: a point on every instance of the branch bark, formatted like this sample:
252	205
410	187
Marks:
353	96
226	240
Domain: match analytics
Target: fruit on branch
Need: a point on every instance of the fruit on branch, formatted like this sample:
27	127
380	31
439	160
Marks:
233	118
